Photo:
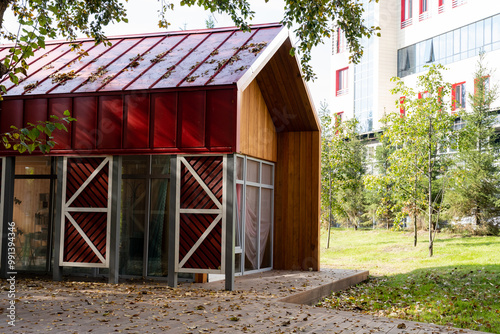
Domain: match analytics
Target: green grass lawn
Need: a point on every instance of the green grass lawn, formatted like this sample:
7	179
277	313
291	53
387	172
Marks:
458	286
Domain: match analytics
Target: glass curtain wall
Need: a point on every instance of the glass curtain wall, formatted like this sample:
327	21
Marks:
461	43
364	78
254	225
32	212
144	221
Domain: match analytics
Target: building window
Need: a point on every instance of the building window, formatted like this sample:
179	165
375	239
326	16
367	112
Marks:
441	6
456	3
340	41
485	81
424	10
455	45
458	95
423	95
254	198
406	13
341	80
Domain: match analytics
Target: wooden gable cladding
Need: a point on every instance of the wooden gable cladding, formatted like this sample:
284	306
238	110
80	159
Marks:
180	121
258	136
297	201
285	93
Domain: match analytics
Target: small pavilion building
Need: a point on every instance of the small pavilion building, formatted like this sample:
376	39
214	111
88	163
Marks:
194	152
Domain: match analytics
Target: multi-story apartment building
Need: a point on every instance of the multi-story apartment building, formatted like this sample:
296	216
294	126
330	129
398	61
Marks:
414	33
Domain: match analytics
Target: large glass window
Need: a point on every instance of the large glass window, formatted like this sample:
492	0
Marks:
254	226
465	42
33	186
144	221
364	77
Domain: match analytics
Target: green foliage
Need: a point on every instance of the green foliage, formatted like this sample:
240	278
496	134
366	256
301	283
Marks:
476	177
36	135
343	156
418	137
445	288
378	185
444	296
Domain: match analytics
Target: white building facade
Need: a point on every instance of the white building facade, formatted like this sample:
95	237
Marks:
414	33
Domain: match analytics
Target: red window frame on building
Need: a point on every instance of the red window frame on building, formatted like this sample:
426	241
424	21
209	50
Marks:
424	10
460	102
457	3
341	41
406	13
341	81
441	6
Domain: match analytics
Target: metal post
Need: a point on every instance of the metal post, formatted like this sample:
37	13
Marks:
8	211
172	275
230	222
114	247
58	239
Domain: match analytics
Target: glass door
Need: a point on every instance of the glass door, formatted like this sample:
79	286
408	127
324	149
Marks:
254	226
33	186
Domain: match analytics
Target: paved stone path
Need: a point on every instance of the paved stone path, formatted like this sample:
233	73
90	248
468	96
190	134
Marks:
43	306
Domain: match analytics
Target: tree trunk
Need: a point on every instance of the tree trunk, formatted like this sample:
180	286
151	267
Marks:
429	176
415	211
330	205
415	229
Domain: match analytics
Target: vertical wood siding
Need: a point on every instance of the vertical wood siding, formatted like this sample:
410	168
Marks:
296	213
258	136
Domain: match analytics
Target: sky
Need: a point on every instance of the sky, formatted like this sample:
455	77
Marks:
143	18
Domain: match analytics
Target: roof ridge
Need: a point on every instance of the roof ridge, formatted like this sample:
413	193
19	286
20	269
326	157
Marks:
157	34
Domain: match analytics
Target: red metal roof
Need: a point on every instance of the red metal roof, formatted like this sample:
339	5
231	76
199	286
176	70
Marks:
136	62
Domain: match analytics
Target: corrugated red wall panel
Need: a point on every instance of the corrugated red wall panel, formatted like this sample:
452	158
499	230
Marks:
85	127
192	119
170	122
57	107
221	122
35	110
109	127
136	111
12	114
164	108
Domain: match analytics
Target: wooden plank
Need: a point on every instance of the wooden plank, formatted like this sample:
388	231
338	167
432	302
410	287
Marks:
286	74
200	278
302	201
293	208
281	203
296	83
266	137
309	199
257	133
315	183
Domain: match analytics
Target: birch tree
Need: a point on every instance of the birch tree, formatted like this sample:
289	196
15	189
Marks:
419	132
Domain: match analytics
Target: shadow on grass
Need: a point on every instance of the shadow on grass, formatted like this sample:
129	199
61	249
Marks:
459	296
